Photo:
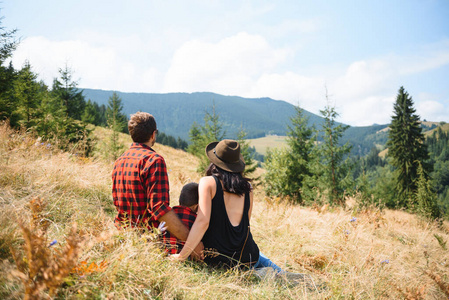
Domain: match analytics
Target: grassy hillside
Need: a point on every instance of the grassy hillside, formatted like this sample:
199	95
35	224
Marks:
264	143
367	254
444	127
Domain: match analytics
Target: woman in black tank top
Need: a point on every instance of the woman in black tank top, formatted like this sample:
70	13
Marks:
225	244
224	212
227	239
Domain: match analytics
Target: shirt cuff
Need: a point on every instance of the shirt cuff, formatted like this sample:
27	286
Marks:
159	211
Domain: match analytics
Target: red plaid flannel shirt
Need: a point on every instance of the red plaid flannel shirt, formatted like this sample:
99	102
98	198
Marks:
187	216
140	187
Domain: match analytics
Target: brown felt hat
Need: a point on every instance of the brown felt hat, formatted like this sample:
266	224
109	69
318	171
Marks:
226	155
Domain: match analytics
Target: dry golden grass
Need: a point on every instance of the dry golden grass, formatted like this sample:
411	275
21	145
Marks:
270	141
377	255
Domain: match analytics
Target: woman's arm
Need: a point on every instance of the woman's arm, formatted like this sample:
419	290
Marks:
206	191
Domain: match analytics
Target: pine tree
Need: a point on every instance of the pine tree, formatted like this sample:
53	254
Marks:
288	171
406	148
27	94
52	121
102	114
8	105
276	181
213	128
334	167
301	144
250	165
91	114
117	123
425	196
8	43
201	136
66	89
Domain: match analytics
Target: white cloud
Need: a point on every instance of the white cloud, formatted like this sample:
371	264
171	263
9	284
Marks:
308	92
430	57
432	110
367	110
243	64
230	66
95	66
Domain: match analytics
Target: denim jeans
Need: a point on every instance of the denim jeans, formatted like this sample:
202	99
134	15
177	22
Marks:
264	262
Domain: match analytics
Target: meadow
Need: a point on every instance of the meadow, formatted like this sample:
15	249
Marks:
268	142
58	240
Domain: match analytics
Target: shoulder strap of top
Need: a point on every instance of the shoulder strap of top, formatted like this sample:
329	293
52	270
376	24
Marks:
218	183
247	204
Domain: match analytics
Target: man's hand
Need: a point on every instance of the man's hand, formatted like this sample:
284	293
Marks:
198	252
174	225
162	228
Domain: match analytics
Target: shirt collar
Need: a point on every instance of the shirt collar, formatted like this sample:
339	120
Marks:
141	145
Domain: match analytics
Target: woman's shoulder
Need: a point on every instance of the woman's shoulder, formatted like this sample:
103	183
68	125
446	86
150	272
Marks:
207	180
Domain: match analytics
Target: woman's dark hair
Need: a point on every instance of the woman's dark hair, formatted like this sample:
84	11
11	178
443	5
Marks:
232	182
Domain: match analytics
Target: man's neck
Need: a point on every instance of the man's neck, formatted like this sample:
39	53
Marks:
150	143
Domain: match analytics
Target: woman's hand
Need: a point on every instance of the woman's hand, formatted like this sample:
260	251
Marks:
176	257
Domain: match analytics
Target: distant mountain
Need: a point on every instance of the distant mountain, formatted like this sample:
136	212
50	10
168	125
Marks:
176	112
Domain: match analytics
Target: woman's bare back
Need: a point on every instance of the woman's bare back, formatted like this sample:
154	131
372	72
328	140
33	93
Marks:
234	207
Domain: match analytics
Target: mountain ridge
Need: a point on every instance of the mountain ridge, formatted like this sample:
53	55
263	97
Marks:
176	112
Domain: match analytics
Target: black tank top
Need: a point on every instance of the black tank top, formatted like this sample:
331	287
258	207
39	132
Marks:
227	245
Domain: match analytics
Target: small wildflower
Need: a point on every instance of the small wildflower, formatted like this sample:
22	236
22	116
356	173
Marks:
53	243
353	219
386	261
48	145
42	144
347	232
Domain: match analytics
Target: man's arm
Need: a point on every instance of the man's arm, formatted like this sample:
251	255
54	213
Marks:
158	192
206	192
175	226
181	232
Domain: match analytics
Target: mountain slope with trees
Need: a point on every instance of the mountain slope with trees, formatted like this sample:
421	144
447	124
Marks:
176	112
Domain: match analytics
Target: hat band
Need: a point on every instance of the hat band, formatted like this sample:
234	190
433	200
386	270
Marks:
228	162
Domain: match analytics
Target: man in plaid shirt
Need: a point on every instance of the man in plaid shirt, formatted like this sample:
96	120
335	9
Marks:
140	187
186	211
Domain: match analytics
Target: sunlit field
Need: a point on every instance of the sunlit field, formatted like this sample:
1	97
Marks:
270	141
58	239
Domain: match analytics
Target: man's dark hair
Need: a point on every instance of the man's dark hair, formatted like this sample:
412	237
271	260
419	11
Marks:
232	182
141	126
189	194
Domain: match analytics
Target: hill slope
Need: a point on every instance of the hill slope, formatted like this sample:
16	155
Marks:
176	112
357	254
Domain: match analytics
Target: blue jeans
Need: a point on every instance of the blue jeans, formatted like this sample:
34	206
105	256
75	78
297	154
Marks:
264	262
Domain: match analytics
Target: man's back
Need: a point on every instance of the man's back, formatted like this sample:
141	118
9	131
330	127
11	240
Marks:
140	187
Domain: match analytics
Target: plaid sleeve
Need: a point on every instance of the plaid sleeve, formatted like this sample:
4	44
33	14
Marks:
186	215
157	187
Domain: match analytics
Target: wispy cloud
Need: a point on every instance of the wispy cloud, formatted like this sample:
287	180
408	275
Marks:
242	64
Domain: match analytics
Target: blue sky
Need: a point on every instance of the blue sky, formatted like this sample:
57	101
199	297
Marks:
361	52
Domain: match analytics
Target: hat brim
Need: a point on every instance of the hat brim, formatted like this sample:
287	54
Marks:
230	167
